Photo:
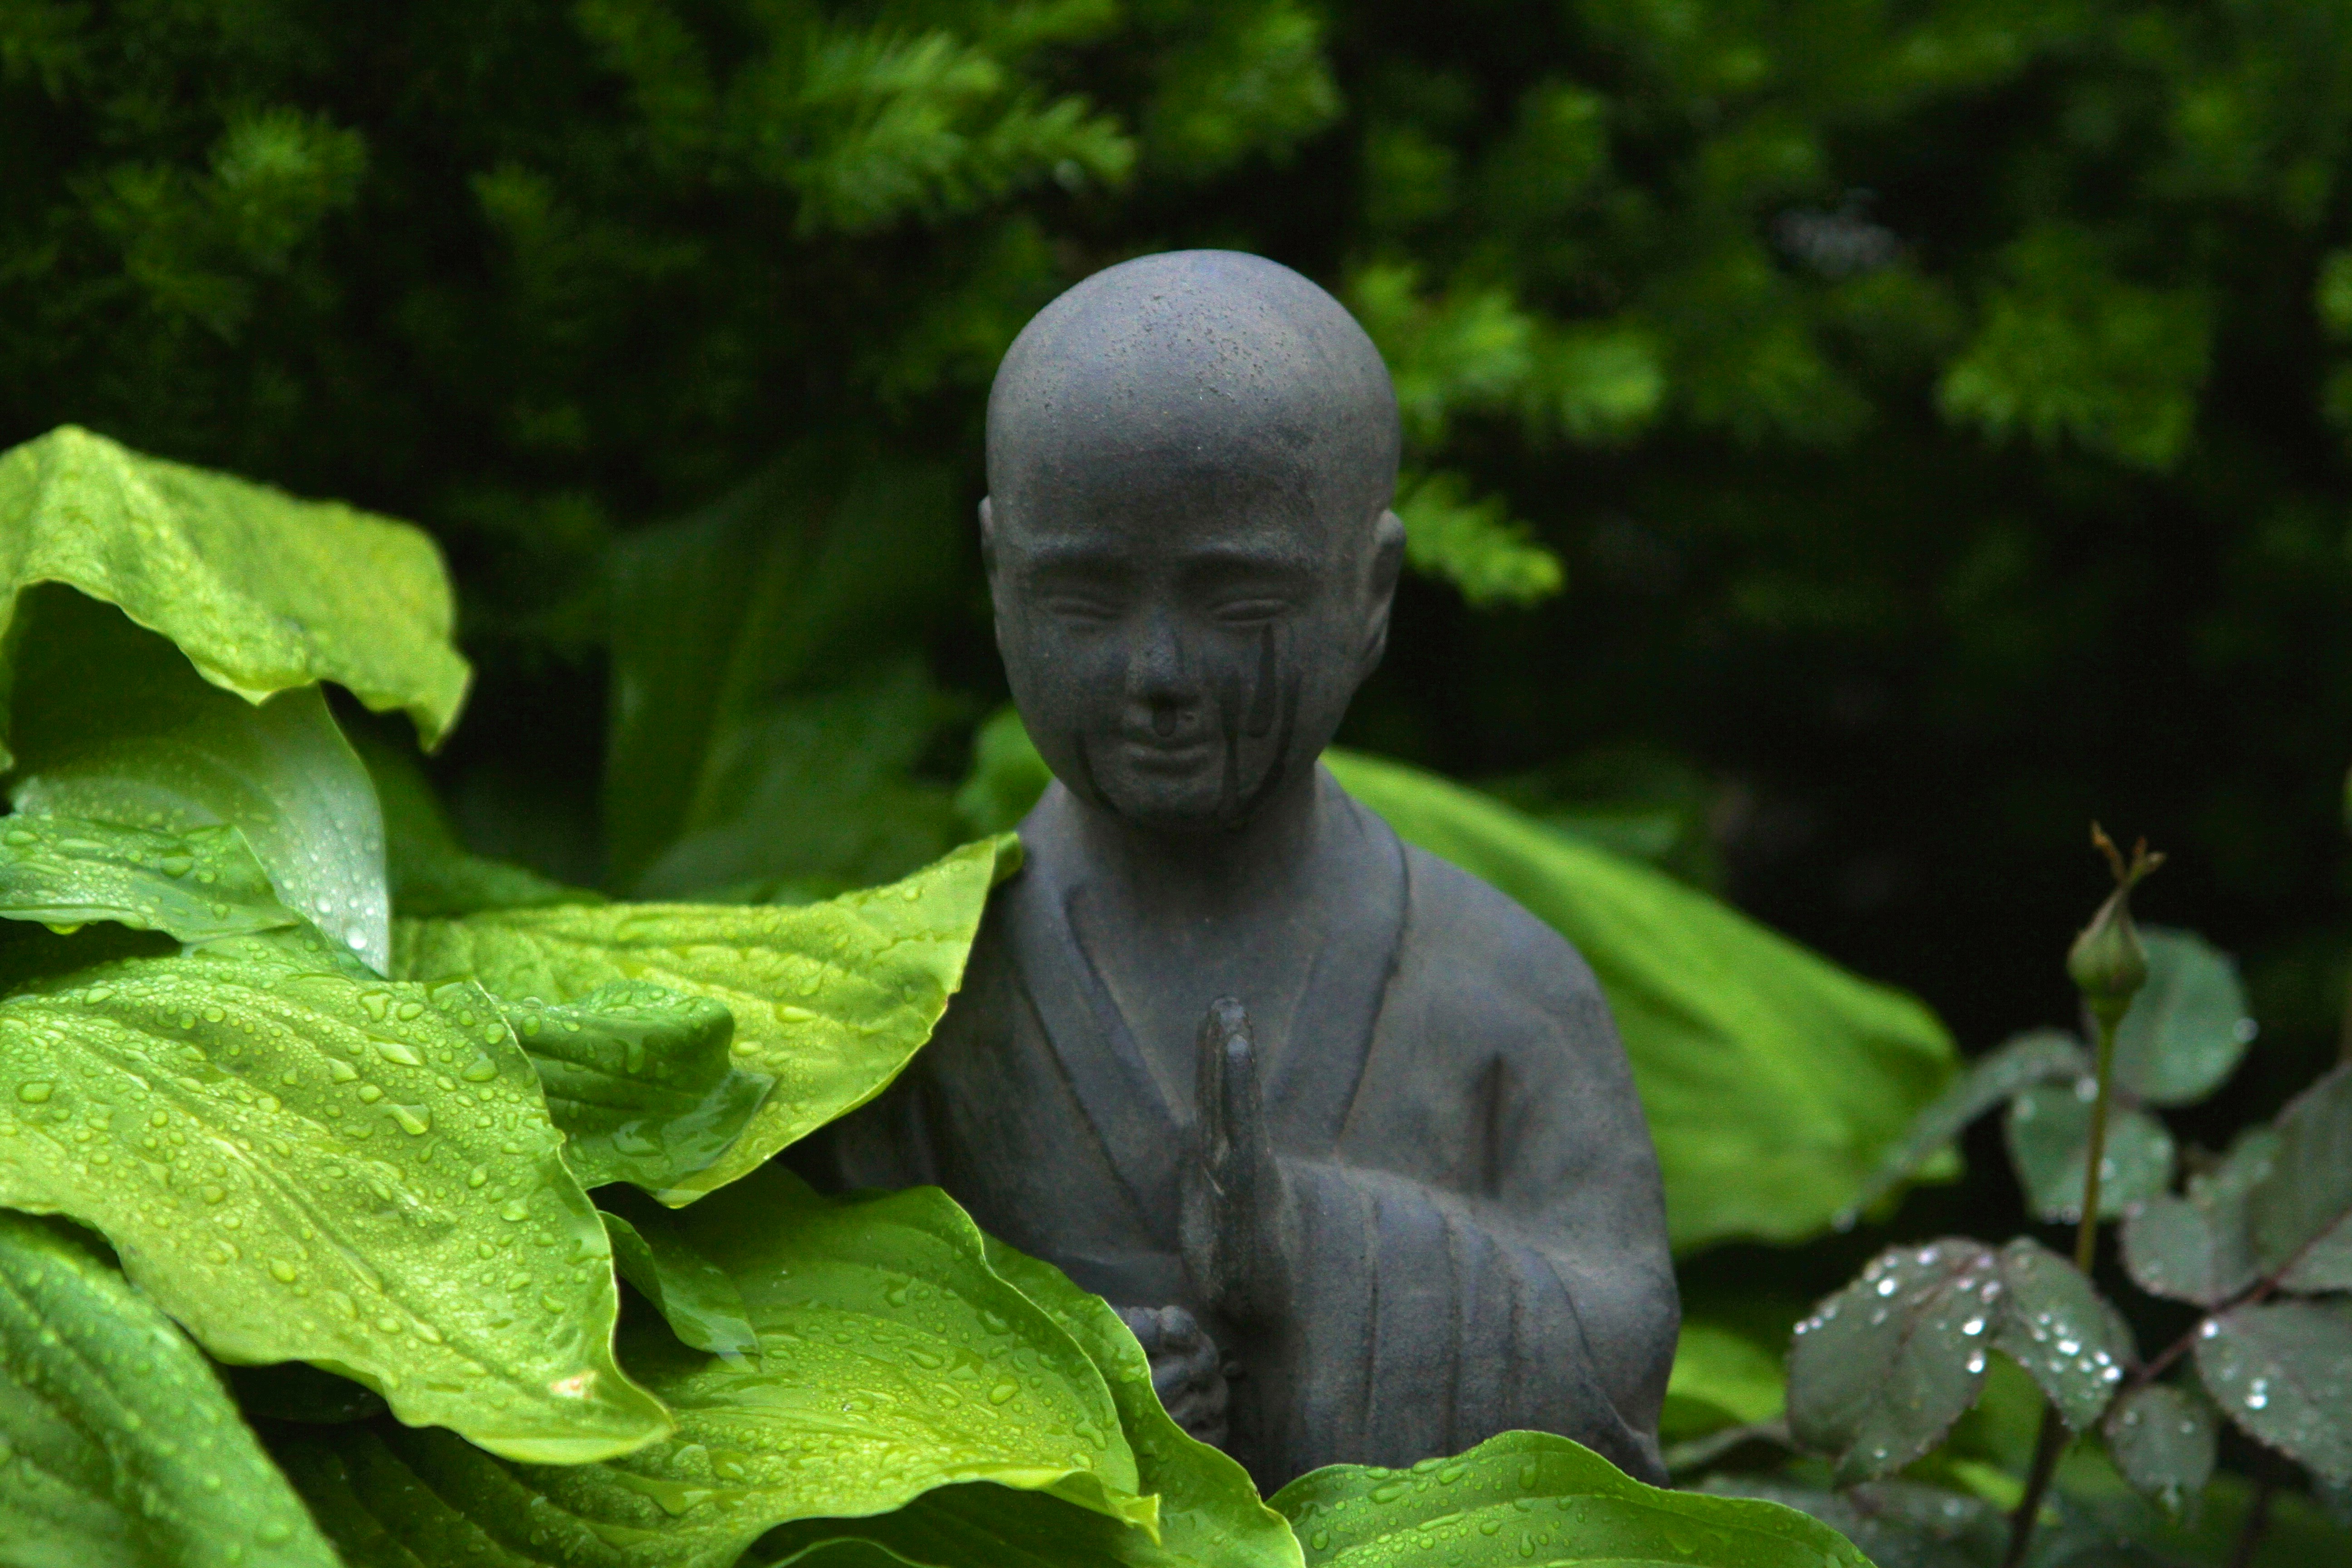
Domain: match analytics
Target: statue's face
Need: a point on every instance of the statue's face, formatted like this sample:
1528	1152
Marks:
1179	661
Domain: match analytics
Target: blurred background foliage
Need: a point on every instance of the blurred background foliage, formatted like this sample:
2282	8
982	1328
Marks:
1849	443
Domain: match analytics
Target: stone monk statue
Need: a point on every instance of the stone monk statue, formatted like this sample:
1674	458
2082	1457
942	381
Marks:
1346	1134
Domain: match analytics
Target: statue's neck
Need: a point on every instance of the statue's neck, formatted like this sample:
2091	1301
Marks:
1191	878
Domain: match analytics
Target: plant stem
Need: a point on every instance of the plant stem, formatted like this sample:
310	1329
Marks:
2258	1519
2050	1441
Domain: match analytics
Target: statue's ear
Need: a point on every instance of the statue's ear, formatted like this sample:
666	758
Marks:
987	538
1388	562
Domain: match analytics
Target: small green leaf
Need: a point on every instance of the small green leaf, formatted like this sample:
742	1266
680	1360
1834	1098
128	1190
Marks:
198	885
1531	1495
1881	1369
113	724
432	873
2282	1371
1898	1524
1476	545
2302	1205
2187	1028
301	1166
694	1295
117	1445
2164	1440
2200	1248
641	1081
2048	1129
264	594
2053	1324
2018	1065
1007	778
829	999
894	1362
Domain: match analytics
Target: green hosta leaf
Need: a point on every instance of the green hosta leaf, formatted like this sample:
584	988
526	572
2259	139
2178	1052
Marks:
2054	1325
300	1166
197	885
117	1445
641	1081
1210	1513
1531	1495
264	594
2302	1206
894	1360
829	999
2200	1248
1881	1369
2019	1065
694	1295
2048	1129
728	629
1773	1080
2283	1371
112	724
1721	1379
2164	1440
431	872
2187	1028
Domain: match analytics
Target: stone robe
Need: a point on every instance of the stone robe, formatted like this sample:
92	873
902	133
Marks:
1483	1226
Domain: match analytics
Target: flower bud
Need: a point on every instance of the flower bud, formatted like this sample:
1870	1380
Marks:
2107	964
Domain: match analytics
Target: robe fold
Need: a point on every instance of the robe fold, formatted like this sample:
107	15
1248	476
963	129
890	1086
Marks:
1481	1226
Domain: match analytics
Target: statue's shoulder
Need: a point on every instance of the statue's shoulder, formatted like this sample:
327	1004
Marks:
1488	946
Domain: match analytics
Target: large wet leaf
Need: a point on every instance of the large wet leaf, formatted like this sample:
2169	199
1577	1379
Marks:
2164	1440
2187	1028
2054	1325
2283	1371
1881	1369
641	1081
2302	1205
2049	1132
1533	1496
196	886
762	725
264	594
2200	1246
113	724
1773	1080
117	1445
302	1166
695	1296
894	1360
1210	1514
829	1000
2019	1065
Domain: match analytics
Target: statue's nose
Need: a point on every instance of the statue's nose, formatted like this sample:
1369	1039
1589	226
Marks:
1160	677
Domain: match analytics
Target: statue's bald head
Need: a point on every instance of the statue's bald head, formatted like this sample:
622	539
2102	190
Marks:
1210	374
1190	462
